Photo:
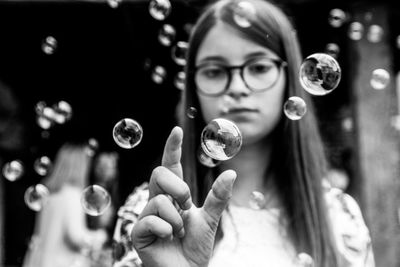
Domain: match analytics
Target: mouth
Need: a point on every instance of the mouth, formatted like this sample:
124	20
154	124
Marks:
239	110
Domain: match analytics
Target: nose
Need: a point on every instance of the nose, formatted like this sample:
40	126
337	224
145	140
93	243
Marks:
237	87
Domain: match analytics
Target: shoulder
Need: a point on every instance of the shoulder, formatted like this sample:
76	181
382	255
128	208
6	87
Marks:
350	232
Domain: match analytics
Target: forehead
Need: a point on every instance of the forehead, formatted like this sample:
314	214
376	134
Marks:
225	43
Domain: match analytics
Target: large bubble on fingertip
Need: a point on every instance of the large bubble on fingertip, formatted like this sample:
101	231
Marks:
295	108
320	74
206	160
127	133
160	9
244	13
95	200
221	139
13	170
36	196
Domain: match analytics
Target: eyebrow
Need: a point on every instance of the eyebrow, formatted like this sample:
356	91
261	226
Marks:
247	57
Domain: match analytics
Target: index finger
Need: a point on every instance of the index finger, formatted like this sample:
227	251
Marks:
172	152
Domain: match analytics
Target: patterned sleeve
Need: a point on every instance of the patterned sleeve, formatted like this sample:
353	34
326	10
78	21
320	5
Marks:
352	236
124	255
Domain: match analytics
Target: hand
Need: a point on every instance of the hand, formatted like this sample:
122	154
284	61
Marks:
167	235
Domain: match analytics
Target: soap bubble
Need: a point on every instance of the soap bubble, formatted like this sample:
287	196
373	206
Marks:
380	79
13	170
179	80
63	112
191	112
36	196
244	13
42	165
166	35
178	53
92	147
114	3
333	50
257	200
375	33
95	200
221	139
304	260
295	108
320	74
49	45
127	133
356	31
337	17
159	74
160	9
205	160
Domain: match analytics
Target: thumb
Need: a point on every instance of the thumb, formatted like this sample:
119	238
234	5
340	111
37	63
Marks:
219	195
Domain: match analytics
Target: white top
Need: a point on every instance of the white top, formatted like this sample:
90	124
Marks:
261	239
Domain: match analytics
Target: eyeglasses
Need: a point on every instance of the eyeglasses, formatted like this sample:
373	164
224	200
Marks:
258	75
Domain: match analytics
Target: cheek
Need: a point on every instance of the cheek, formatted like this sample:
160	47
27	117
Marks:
209	108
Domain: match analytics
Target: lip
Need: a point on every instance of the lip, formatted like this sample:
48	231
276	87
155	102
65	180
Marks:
239	110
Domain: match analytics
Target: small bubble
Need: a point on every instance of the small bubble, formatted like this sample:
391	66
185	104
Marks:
159	75
333	50
63	112
127	133
244	13
36	196
49	45
295	108
167	35
13	170
95	200
375	33
114	3
320	74
180	80
92	147
257	200
380	79
191	112
356	31
221	139
42	165
160	9
305	260
337	17
179	52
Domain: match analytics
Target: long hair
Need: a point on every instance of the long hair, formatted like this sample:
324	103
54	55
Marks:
299	158
71	166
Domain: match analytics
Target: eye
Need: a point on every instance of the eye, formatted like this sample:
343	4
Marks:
260	67
212	72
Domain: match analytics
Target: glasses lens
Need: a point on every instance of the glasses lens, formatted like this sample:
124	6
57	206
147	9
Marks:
261	74
211	79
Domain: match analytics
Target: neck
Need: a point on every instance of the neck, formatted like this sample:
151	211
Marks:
252	165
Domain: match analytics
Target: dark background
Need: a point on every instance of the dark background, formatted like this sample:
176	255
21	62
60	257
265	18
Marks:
99	68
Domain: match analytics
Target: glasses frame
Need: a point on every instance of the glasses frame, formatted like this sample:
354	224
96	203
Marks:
229	69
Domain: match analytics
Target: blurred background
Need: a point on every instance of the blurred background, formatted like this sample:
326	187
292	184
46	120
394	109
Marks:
97	62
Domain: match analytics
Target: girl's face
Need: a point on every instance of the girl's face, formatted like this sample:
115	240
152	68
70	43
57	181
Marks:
255	113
